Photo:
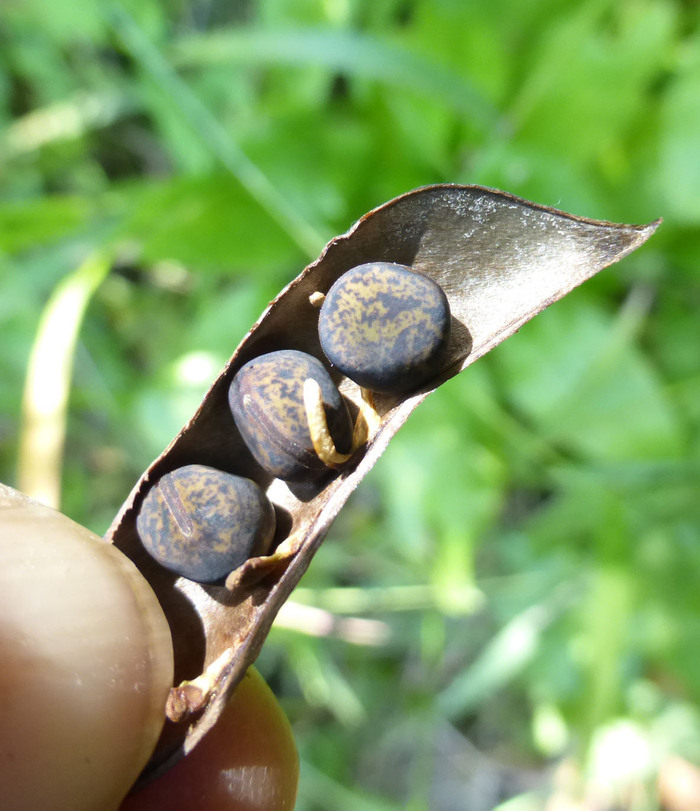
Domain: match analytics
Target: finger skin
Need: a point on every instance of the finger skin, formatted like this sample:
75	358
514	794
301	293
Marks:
86	663
248	762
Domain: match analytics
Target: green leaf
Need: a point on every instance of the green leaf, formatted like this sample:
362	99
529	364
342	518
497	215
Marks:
206	223
596	394
27	224
679	167
347	52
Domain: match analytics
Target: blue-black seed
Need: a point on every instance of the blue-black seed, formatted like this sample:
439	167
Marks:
202	523
267	403
385	326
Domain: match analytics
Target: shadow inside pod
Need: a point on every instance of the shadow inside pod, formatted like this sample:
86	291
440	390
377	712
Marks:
308	490
283	526
461	341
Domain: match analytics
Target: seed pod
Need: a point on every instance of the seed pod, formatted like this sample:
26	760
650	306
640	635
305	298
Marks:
500	260
267	402
385	326
203	523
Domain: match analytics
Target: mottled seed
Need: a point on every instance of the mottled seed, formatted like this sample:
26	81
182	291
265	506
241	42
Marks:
267	403
385	326
203	523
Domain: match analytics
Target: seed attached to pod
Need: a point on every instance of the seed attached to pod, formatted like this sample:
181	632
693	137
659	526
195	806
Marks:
203	523
385	326
267	402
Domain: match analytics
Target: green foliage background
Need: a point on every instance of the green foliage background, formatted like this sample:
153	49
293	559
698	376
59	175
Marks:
514	590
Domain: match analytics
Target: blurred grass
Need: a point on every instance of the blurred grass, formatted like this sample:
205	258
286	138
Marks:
529	545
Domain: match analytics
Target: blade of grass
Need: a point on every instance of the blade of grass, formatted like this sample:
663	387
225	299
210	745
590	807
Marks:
318	790
506	655
380	599
47	385
217	139
348	52
307	619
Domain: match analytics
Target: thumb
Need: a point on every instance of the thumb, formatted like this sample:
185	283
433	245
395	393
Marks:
86	663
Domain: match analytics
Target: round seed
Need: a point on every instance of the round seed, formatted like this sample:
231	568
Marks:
385	326
267	402
203	523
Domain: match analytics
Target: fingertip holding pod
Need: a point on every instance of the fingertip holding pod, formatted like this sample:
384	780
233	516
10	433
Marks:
266	399
385	326
247	762
87	663
203	523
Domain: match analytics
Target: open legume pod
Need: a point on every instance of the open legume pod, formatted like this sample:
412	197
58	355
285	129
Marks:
499	260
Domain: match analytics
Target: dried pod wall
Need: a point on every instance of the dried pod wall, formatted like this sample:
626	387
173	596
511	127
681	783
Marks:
499	260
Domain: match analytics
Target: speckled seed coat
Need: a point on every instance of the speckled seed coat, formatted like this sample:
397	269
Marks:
267	403
385	326
203	523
